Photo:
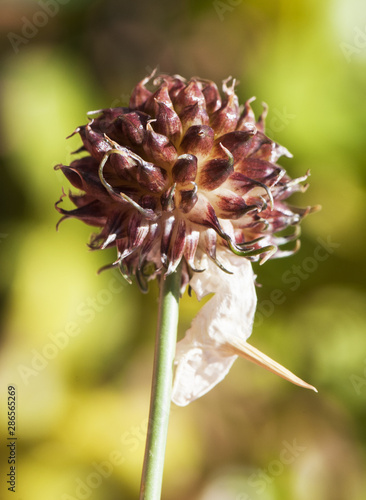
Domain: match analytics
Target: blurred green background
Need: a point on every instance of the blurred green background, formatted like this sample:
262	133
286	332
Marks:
79	346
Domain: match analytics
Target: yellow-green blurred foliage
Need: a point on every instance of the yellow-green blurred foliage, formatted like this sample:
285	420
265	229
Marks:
79	346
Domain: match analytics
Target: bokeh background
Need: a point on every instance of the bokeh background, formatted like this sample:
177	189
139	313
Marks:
78	346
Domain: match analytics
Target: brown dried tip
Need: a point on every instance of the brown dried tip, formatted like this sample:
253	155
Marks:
247	351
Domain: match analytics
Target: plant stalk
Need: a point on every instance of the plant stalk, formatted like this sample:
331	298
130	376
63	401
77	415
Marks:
162	379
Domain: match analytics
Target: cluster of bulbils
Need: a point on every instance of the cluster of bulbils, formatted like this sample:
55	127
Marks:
184	177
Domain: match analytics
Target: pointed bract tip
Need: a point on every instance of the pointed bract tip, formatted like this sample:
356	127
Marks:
247	351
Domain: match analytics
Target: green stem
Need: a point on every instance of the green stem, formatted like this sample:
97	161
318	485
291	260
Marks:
166	338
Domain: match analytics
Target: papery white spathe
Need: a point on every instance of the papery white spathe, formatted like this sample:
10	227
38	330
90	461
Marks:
202	361
219	332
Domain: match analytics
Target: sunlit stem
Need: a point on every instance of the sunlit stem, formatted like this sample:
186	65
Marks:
165	344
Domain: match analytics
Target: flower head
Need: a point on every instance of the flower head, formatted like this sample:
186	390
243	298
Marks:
185	176
179	174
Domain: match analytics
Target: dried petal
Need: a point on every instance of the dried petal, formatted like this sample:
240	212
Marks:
214	172
138	229
260	170
198	140
177	245
188	199
133	128
247	119
175	84
185	169
167	225
160	96
229	205
261	122
192	239
140	95
189	96
168	123
194	115
225	119
95	142
151	177
204	214
212	97
158	148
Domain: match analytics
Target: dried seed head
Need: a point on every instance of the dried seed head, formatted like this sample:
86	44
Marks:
181	173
